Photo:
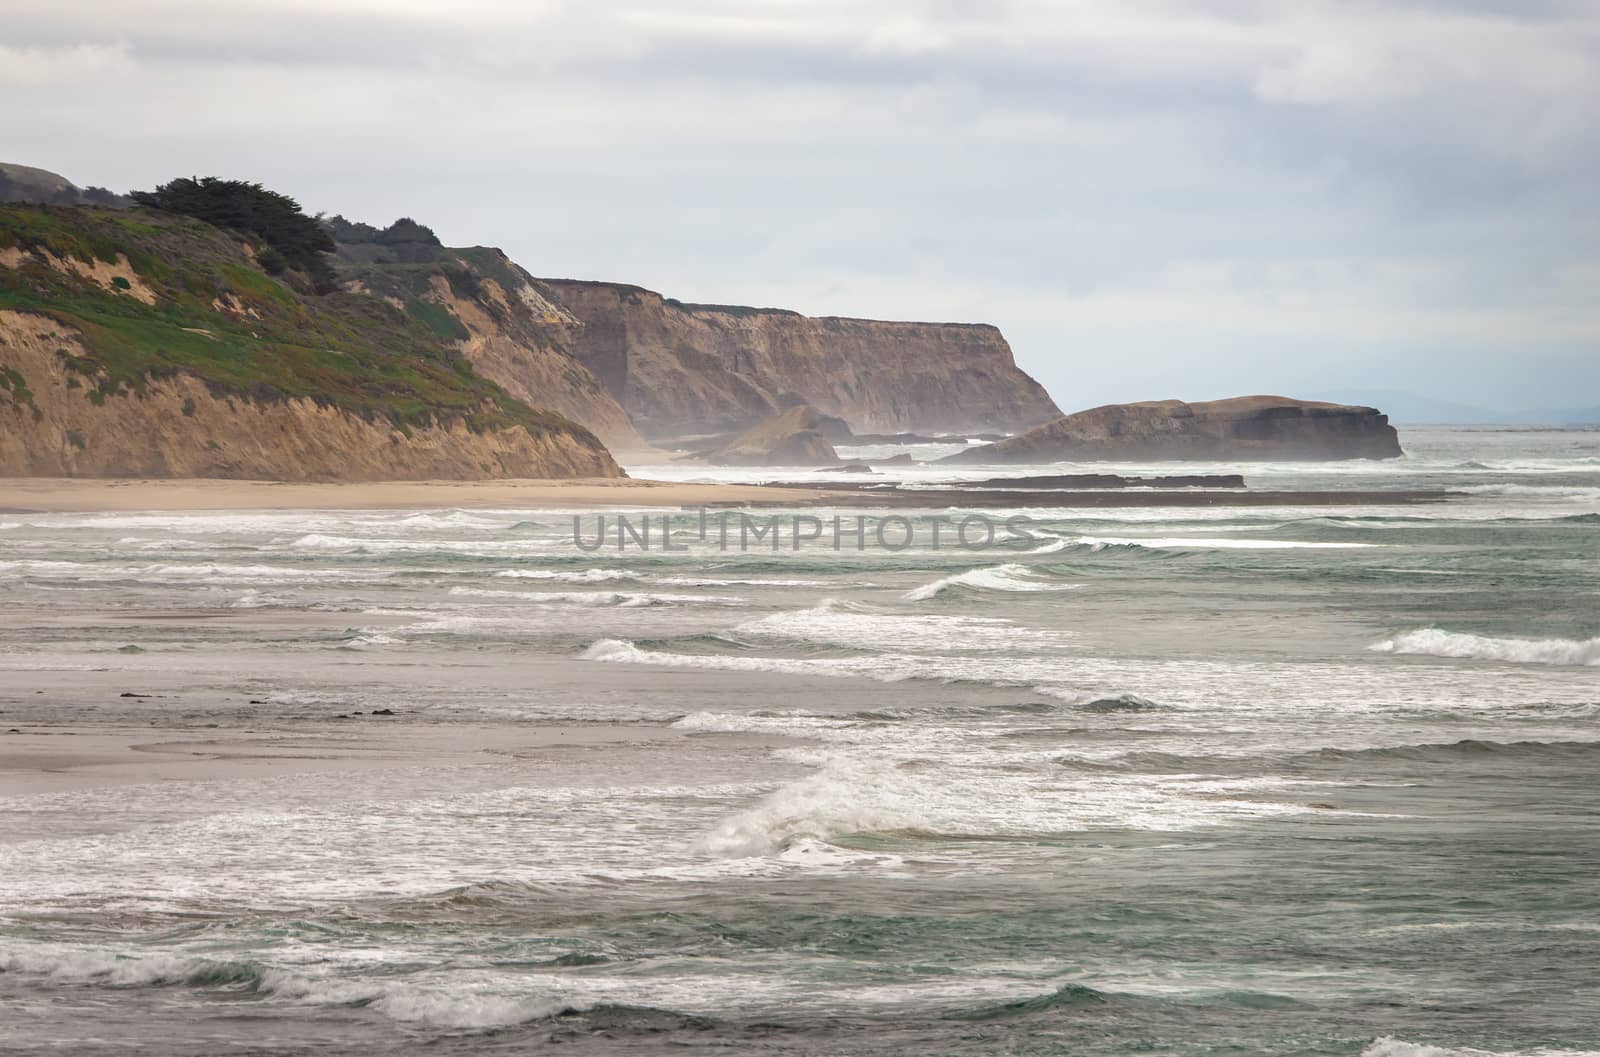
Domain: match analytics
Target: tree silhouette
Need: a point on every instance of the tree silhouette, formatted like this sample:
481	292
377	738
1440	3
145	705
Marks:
298	241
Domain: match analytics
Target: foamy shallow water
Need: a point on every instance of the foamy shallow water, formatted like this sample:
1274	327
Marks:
1184	781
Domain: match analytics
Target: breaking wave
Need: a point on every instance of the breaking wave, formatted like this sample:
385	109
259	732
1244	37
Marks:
456	1007
1219	543
586	576
626	600
1433	642
1011	577
1388	1046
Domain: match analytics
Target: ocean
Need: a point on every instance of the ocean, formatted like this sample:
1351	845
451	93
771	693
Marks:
1189	781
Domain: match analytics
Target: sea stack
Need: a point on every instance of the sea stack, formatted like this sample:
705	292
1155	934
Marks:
1245	427
798	437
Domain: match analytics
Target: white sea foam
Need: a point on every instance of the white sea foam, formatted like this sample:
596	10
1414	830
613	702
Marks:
471	1004
706	581
1434	642
603	576
621	651
331	544
626	600
1209	543
1388	1046
454	1007
1012	577
870	791
1534	491
845	797
372	638
586	576
837	624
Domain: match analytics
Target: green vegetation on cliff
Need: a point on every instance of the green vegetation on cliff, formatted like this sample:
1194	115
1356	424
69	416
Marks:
197	300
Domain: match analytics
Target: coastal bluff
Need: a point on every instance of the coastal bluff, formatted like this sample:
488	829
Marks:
142	343
1263	428
689	370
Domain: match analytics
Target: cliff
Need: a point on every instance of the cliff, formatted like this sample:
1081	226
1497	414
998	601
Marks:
682	369
1247	427
489	308
136	343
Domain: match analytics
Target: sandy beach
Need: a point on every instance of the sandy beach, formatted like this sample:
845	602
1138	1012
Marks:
88	495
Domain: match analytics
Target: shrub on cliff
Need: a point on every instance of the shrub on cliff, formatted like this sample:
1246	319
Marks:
298	240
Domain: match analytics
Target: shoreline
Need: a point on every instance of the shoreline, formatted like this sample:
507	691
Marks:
87	495
56	495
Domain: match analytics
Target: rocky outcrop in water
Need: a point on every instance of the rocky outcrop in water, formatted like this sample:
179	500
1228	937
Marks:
684	369
1247	427
795	438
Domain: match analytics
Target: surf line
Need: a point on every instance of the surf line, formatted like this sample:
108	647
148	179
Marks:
889	532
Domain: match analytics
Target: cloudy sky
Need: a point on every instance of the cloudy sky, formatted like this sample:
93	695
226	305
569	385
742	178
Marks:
1150	197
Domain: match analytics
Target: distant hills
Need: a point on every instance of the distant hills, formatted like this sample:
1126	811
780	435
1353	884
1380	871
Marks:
24	183
1406	408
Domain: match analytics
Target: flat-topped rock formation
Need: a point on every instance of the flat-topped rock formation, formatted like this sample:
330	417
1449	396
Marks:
1246	427
682	369
795	438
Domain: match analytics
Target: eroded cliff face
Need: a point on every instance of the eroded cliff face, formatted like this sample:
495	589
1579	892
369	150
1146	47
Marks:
1246	427
684	370
507	328
50	427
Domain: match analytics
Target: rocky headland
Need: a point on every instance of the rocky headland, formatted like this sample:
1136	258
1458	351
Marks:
685	369
1247	427
145	343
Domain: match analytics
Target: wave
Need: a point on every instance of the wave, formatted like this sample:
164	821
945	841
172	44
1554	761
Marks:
362	640
846	796
587	576
1012	577
1121	703
159	971
1388	1046
621	651
1072	996
625	600
843	624
1465	749
456	1007
1434	642
1219	543
450	519
1533	491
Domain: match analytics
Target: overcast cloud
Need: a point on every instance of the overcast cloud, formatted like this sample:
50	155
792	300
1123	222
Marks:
1150	198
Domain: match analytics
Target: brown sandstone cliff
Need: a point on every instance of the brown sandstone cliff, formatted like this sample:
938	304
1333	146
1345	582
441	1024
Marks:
490	309
1247	427
50	427
146	343
684	370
